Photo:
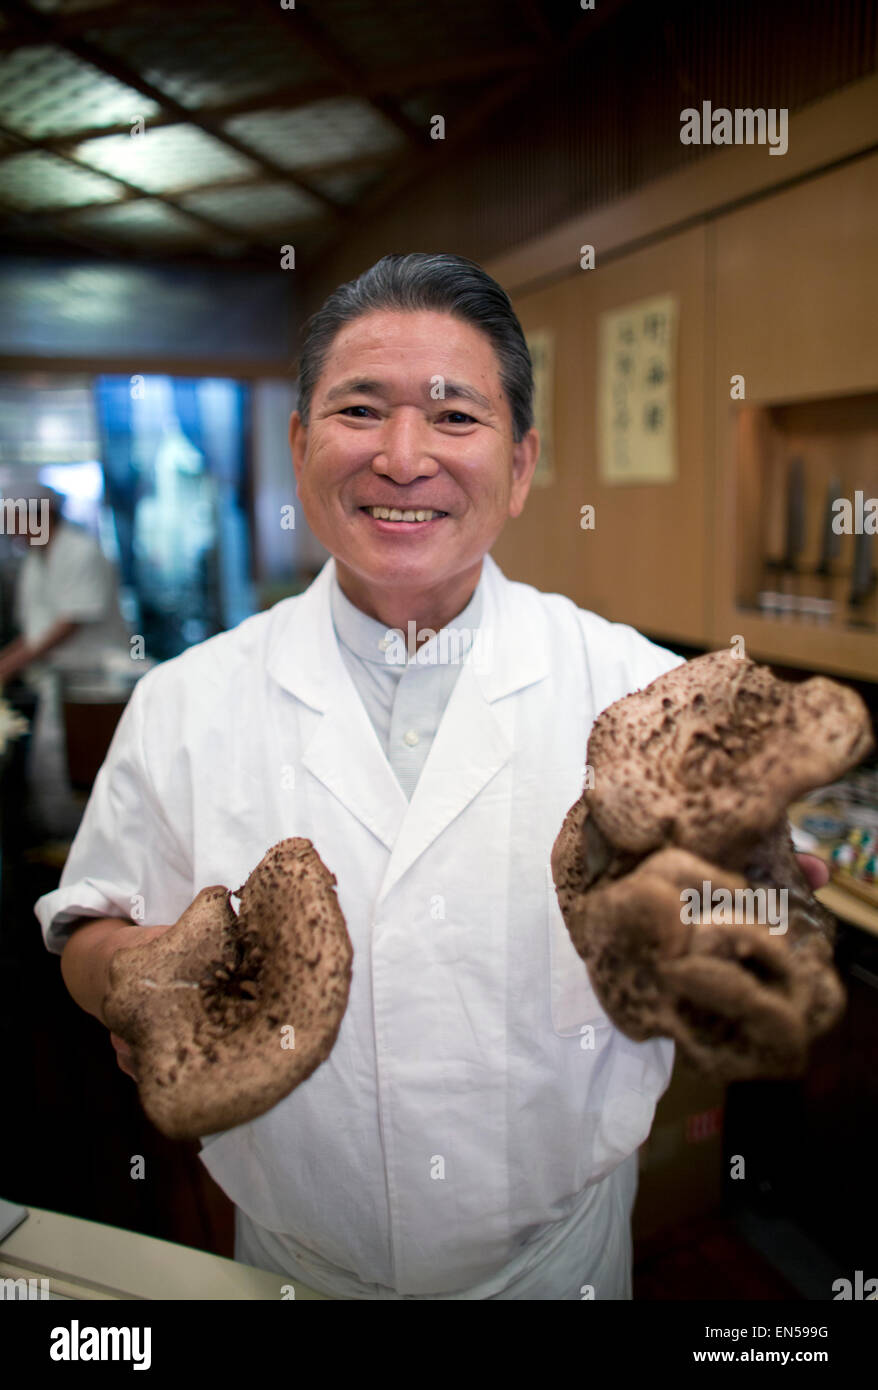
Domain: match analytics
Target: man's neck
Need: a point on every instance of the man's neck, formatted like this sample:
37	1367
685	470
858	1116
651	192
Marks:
428	610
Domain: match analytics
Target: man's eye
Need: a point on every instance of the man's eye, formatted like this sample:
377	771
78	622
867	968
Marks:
349	408
461	418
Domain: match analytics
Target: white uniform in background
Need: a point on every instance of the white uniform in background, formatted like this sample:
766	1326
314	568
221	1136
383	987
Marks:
462	1140
69	578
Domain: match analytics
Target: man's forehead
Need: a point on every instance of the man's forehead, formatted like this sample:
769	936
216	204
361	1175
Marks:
382	387
427	339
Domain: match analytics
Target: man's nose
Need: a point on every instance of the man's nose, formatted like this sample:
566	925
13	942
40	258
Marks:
404	449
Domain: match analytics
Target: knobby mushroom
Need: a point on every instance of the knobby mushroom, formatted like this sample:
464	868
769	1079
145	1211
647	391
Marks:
692	777
226	1013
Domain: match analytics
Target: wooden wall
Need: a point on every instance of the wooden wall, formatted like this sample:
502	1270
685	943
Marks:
645	561
783	291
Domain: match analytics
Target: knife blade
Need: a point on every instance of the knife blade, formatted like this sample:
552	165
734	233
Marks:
863	573
863	580
795	533
830	544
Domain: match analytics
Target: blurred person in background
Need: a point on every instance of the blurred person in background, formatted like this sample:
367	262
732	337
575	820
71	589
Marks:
66	610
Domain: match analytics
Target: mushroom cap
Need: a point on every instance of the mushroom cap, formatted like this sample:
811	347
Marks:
692	777
709	756
739	1002
227	1013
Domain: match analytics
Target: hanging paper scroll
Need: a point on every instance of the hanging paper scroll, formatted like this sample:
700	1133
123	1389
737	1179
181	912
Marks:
637	386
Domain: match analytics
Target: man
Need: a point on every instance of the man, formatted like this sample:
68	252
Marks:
67	611
66	599
462	1140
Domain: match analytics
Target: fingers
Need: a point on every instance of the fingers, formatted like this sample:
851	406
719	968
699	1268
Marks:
124	1056
814	869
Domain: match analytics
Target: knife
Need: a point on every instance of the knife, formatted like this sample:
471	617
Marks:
795	531
863	576
830	544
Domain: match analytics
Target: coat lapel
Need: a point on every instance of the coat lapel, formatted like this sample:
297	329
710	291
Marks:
470	746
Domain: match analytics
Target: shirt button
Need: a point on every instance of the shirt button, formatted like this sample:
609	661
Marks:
411	738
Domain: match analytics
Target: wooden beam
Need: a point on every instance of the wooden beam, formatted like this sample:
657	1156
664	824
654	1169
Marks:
290	98
310	35
48	30
216	229
255	182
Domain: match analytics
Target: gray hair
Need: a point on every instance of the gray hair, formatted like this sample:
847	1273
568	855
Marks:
448	284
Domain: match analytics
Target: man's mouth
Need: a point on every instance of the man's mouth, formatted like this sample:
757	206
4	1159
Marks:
396	514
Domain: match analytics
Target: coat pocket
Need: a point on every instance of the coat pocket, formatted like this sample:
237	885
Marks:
573	1001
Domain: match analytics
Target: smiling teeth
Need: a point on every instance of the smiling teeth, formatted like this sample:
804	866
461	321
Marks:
394	514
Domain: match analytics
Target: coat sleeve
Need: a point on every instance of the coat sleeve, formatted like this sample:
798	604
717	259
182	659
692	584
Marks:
127	860
620	659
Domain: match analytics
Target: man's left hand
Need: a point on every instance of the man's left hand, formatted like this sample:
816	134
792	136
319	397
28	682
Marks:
814	869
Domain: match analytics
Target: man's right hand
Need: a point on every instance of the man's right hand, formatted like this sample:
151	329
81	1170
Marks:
85	968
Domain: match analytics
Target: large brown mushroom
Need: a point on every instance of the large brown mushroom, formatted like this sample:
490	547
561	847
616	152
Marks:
692	779
227	1013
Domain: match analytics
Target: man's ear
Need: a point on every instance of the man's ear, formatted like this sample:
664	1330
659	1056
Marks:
524	462
298	440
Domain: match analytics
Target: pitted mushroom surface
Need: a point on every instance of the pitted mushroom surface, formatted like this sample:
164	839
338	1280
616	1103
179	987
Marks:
226	1013
692	779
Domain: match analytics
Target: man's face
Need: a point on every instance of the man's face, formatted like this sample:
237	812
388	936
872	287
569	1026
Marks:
381	434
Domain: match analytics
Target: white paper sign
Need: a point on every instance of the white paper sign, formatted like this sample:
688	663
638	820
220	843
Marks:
637	388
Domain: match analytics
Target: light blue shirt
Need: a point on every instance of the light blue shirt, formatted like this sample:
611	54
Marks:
405	697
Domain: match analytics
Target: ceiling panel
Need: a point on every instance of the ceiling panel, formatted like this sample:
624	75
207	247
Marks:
347	186
75	69
204	58
41	180
247	209
165	159
145	220
338	128
45	91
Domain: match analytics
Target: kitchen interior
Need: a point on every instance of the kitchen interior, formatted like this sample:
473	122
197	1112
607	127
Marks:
148	337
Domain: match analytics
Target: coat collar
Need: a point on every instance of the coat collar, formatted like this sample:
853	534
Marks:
471	745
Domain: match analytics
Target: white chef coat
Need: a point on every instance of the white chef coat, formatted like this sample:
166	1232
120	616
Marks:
462	1111
406	697
69	578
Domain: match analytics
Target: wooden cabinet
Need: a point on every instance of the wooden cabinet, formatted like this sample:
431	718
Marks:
782	292
797	289
796	313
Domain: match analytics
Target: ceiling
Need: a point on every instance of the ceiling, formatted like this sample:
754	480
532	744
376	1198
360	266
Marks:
199	130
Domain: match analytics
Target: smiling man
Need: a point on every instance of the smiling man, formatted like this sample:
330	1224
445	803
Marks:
412	446
474	1132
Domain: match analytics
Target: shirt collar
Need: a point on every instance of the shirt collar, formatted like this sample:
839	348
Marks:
373	641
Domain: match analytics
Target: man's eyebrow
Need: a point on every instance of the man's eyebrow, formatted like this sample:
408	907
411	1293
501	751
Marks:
461	391
355	384
457	390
